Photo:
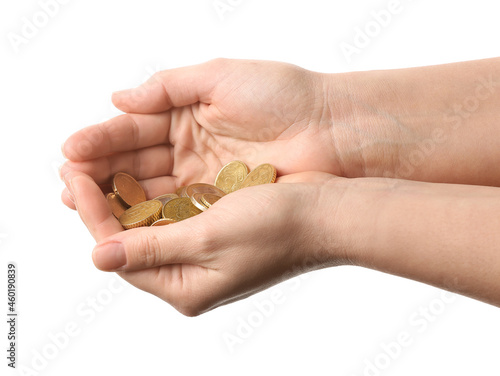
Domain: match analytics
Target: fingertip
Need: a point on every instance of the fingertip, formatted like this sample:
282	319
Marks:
73	181
68	199
68	151
70	169
119	99
68	178
64	170
145	98
72	147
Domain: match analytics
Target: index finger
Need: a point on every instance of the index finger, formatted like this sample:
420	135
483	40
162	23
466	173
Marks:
122	133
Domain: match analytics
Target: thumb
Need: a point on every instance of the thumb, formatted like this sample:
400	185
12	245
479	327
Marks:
148	247
171	88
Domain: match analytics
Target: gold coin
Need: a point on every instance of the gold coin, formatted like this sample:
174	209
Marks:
203	188
179	209
231	176
166	198
142	214
162	222
263	174
116	205
196	200
209	199
128	189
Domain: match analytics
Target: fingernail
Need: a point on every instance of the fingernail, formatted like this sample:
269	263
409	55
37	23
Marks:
109	256
71	197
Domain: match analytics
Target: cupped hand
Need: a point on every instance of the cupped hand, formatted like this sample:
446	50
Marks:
184	124
247	241
181	127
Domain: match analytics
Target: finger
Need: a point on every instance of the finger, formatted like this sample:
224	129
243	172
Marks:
122	133
92	206
141	164
68	199
172	88
149	247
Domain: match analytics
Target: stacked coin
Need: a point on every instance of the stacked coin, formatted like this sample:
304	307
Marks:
128	200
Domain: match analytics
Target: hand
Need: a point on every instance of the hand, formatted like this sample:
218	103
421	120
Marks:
184	124
246	242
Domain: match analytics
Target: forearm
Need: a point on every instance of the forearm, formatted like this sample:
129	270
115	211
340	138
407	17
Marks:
437	124
440	234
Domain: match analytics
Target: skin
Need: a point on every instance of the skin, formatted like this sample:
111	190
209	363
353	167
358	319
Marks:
342	145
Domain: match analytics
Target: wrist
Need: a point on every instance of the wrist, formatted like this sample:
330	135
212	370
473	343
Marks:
314	228
401	124
342	223
368	128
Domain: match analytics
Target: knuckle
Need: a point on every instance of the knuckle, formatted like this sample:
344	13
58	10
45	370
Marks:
149	254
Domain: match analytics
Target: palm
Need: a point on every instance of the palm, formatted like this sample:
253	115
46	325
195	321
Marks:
272	120
251	111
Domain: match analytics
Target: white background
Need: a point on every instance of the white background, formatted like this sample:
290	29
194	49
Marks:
331	322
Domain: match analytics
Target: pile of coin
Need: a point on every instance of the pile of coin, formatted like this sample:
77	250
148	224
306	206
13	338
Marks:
129	204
